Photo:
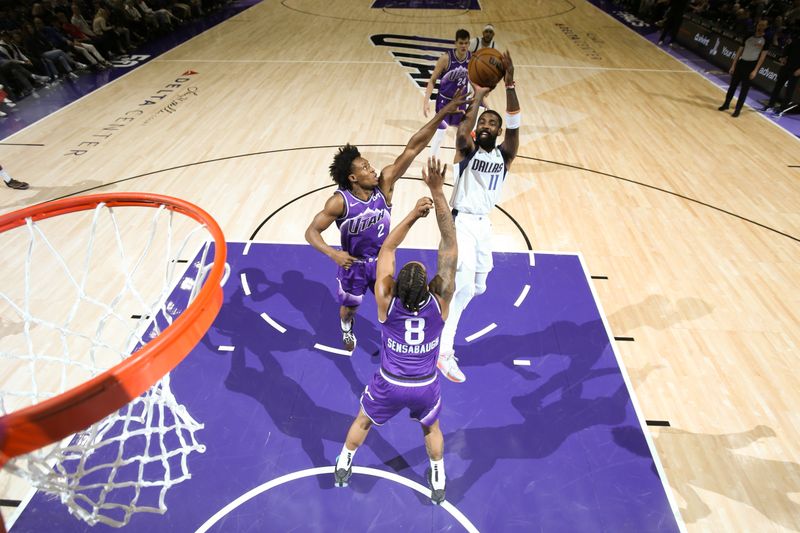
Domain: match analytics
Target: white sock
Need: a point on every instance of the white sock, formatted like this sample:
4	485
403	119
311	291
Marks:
5	176
438	137
465	280
346	326
437	474
345	458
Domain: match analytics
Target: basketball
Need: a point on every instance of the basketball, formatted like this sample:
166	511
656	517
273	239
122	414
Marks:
486	68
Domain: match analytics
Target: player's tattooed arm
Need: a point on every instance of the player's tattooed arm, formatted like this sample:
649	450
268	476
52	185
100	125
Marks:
444	282
334	208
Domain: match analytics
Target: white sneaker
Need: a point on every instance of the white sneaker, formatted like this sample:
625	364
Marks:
448	365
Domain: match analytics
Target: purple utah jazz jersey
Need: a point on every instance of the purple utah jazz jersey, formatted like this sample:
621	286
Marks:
365	224
410	341
454	76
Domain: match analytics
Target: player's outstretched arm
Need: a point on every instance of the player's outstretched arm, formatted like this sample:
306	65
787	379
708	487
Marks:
510	143
441	64
417	143
384	270
334	208
464	143
443	284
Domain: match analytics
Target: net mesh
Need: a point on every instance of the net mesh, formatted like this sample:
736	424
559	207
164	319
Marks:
91	288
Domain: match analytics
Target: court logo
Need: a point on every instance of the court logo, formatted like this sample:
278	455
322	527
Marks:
121	122
585	47
417	55
129	61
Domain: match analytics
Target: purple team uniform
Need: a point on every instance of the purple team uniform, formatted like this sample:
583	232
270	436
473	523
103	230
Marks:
363	227
453	78
407	377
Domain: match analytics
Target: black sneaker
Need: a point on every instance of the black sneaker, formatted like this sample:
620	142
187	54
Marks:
19	185
723	107
341	476
735	113
349	338
437	495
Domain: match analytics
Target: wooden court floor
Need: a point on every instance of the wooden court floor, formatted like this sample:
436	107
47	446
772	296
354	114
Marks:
693	217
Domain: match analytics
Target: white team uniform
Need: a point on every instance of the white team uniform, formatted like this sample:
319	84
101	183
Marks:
476	43
479	182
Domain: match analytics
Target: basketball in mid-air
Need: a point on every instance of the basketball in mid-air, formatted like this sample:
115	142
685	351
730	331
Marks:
486	68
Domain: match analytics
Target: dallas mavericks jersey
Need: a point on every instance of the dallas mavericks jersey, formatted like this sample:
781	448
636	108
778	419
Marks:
365	224
454	76
410	341
480	179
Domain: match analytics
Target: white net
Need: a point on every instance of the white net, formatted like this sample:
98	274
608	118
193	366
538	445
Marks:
78	294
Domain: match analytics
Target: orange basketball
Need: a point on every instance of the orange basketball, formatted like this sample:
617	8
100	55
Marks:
486	68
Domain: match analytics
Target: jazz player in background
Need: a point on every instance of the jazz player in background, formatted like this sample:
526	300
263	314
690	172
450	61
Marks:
451	67
481	168
412	312
361	208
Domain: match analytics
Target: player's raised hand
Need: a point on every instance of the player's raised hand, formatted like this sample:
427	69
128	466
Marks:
508	79
434	177
423	207
459	99
343	259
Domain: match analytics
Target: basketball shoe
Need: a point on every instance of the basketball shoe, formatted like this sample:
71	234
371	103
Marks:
448	364
340	475
349	338
437	495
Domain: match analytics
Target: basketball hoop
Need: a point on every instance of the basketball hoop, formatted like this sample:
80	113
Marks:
129	399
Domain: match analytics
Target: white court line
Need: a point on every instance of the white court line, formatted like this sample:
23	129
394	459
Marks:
531	258
690	67
245	285
337	351
349	62
327	471
226	348
522	295
636	408
481	333
272	323
522	362
278	61
247	248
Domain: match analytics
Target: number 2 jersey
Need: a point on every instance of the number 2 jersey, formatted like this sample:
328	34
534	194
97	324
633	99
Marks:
480	178
410	340
365	224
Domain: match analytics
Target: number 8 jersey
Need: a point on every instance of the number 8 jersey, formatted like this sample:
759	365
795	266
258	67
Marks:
480	179
410	341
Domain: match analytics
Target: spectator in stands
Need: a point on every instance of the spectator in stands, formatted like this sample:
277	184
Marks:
792	15
672	20
748	59
743	25
164	18
50	57
81	42
17	70
788	75
101	27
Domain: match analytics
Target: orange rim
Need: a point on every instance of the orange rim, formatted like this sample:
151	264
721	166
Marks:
33	427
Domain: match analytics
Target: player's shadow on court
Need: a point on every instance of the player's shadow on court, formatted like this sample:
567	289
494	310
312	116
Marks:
776	480
289	406
320	311
551	412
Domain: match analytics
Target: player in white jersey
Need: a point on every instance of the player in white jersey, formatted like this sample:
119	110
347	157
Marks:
481	168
